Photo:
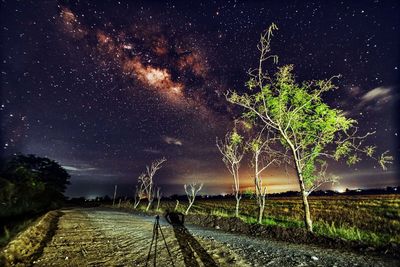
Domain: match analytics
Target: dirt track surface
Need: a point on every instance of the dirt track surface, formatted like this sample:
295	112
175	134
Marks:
107	238
90	237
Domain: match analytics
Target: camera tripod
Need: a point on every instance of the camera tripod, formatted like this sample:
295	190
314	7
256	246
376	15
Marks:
156	230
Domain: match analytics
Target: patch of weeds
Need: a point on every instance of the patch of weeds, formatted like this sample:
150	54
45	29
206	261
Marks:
11	232
220	213
287	223
349	233
248	219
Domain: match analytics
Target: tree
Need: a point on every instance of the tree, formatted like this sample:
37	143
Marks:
232	151
31	184
148	180
139	190
308	127
191	193
264	156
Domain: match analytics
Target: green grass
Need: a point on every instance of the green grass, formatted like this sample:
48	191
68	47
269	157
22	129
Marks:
220	213
370	219
352	233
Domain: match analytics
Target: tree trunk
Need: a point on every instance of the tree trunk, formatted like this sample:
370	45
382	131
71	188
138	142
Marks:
261	210
158	204
148	205
306	207
136	204
188	208
237	206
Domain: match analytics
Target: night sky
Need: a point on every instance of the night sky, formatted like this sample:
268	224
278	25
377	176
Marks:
105	87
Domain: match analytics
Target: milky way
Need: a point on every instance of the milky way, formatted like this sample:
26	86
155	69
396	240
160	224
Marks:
104	87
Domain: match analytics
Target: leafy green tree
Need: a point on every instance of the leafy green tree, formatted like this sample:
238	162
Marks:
31	184
306	125
232	150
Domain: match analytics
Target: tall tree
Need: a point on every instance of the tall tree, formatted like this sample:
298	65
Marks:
232	150
307	126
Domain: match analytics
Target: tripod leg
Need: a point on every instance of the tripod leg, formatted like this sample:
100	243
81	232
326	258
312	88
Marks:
155	247
151	245
166	246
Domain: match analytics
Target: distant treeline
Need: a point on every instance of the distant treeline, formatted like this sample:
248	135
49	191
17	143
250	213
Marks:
348	192
31	184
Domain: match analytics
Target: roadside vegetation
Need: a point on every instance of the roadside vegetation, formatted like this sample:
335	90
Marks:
29	186
373	220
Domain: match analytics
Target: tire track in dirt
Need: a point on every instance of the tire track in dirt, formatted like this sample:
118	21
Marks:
89	237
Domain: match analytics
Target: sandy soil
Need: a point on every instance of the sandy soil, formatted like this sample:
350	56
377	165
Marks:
100	237
89	237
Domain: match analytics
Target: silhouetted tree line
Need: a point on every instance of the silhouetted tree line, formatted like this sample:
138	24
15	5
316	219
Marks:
31	184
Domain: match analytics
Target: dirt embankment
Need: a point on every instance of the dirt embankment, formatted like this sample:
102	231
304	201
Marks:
293	235
29	244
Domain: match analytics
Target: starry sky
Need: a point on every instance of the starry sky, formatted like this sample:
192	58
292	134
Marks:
105	87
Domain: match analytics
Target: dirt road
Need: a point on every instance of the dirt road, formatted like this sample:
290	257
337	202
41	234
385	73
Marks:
90	237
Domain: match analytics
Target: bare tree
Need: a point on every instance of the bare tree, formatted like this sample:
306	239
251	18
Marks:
264	156
139	191
148	181
158	197
232	151
191	193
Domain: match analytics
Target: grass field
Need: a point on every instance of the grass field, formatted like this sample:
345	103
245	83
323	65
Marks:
372	219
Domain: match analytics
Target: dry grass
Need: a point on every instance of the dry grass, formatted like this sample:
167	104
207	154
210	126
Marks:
28	243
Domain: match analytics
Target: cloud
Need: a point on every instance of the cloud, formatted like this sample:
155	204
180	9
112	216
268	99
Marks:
78	169
378	94
172	141
377	98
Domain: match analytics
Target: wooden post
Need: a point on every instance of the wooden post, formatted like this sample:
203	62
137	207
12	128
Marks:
115	193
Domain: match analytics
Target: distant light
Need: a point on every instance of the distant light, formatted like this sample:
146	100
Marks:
340	190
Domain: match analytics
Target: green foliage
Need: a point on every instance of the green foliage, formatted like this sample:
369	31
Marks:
235	139
352	159
221	213
342	150
305	121
350	233
31	184
255	144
